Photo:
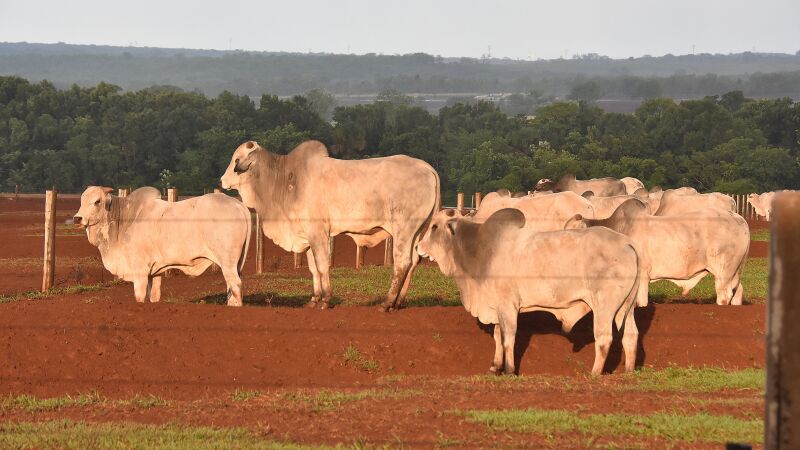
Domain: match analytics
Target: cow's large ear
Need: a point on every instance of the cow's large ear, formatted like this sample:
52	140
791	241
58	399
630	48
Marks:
243	165
588	195
507	218
107	190
452	226
655	189
642	193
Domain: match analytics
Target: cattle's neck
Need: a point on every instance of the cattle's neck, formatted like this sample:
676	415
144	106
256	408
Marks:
106	231
271	191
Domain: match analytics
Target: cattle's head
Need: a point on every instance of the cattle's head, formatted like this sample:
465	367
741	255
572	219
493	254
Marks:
95	205
437	244
460	246
762	207
241	171
545	184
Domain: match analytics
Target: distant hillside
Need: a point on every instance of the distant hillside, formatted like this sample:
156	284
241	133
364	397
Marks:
255	73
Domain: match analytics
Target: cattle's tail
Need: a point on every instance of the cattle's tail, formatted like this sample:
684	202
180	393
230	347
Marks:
632	300
243	256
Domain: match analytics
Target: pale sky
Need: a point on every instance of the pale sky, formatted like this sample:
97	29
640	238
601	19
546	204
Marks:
513	28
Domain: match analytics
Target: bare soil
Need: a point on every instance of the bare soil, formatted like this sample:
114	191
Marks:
195	355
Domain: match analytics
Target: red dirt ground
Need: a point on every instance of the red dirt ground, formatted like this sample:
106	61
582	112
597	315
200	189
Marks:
103	341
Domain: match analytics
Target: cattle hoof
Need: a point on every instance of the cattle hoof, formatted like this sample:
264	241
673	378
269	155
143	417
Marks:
496	370
312	303
324	305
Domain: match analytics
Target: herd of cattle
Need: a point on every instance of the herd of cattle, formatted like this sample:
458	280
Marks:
569	247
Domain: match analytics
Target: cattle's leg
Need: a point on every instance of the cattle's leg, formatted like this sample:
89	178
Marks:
312	266
415	258
630	341
508	330
154	289
140	285
234	283
497	363
738	295
322	260
603	323
401	272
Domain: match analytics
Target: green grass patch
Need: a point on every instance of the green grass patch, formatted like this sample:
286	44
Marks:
353	357
754	280
428	286
30	403
706	379
365	286
80	435
330	400
670	426
241	395
74	289
759	235
150	401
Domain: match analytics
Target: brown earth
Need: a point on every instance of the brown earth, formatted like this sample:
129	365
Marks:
197	354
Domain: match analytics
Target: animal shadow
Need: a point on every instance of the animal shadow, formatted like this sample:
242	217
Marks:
581	335
264	299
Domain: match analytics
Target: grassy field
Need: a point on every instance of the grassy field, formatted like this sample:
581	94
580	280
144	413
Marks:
759	235
696	405
368	286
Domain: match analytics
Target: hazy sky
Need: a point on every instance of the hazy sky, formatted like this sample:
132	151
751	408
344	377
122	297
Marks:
516	29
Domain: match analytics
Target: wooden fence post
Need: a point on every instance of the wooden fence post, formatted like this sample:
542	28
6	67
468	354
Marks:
361	251
16	191
478	198
49	270
388	252
172	196
782	424
330	251
298	260
460	202
259	246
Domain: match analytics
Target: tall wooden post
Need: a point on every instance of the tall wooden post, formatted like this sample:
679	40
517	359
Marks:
782	424
49	269
259	245
478	198
460	202
16	191
172	196
361	251
330	251
298	260
388	252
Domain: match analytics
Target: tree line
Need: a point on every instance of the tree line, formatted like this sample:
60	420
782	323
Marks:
284	74
163	136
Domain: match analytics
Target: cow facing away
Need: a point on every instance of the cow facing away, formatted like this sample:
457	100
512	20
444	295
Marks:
503	268
604	207
632	184
762	203
306	197
603	187
141	236
683	248
675	202
542	213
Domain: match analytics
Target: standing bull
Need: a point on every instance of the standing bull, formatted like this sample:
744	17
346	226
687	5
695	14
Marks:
306	197
141	236
503	268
